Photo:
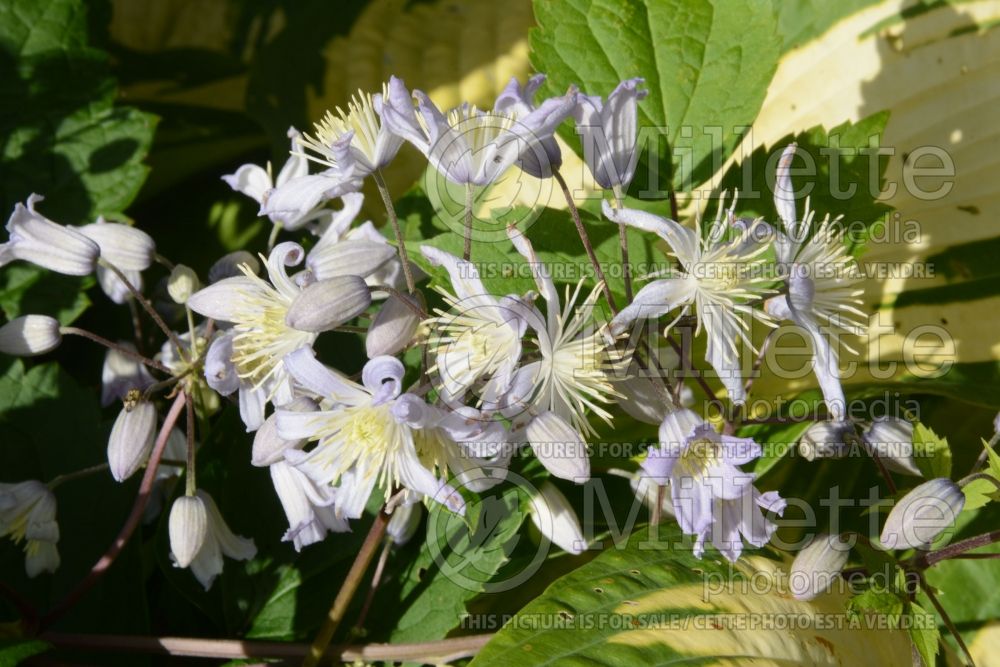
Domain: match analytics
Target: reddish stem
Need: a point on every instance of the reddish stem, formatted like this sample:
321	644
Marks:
134	518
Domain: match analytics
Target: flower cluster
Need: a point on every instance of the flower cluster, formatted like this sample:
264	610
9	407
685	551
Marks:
546	368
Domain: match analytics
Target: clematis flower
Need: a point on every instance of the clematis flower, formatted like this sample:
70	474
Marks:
467	145
571	380
922	515
556	520
368	435
308	506
299	199
712	498
822	277
721	279
609	133
817	566
131	439
256	182
28	513
542	155
359	133
480	335
199	537
36	239
249	357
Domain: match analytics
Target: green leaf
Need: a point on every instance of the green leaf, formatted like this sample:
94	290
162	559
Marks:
26	289
652	602
15	651
931	453
707	65
880	601
802	20
457	562
924	633
63	138
992	460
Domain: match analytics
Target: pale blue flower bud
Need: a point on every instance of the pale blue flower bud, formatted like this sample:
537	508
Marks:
923	514
30	335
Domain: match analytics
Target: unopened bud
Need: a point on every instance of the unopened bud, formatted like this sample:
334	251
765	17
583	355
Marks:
128	248
183	282
817	565
393	327
403	523
923	514
559	447
131	439
188	528
30	335
891	439
826	440
327	304
554	517
355	257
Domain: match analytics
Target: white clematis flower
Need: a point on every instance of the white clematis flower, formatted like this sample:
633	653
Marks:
609	131
721	279
257	183
554	517
369	436
571	380
249	357
308	506
358	132
823	285
28	513
36	239
480	336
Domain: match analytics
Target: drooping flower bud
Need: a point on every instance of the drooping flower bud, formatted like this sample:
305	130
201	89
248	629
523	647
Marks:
183	282
891	439
403	523
825	440
268	446
131	439
229	266
554	517
817	565
923	514
352	257
559	447
188	529
393	327
126	247
36	239
327	304
30	335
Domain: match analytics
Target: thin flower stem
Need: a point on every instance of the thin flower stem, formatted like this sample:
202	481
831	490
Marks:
272	238
585	239
623	242
146	305
191	484
134	518
929	592
968	479
467	253
131	354
376	580
163	261
674	211
889	482
390	211
78	474
435	652
952	550
696	374
658	507
407	301
347	590
133	310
